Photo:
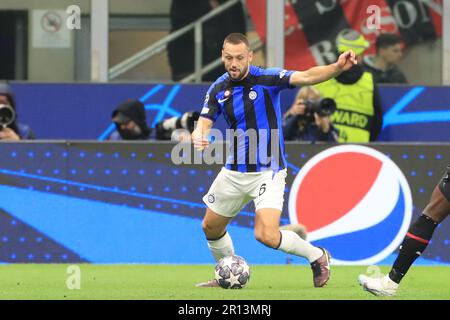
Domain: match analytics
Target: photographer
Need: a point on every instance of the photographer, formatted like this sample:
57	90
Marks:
10	128
131	121
308	119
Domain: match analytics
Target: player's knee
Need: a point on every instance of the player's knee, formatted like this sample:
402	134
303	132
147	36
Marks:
207	227
210	230
444	185
270	238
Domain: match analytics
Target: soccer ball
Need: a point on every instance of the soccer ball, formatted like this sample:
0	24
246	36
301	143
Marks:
232	272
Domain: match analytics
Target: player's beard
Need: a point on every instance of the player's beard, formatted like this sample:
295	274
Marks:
240	76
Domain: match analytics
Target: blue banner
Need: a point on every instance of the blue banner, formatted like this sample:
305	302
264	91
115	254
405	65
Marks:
83	111
118	202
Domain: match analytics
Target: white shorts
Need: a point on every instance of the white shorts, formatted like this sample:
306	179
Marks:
232	190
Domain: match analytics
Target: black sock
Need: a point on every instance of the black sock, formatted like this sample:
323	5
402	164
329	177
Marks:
415	242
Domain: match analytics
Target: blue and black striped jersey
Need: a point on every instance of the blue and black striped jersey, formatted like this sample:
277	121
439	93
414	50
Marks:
251	108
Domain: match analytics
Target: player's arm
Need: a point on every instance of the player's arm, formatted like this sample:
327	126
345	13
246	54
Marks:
210	111
322	73
200	134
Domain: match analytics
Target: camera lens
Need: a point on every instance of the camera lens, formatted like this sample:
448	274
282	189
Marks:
327	106
7	115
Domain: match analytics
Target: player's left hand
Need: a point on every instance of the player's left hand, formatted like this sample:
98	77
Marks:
346	60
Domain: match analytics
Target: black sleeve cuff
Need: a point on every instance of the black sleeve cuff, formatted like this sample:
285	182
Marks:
208	117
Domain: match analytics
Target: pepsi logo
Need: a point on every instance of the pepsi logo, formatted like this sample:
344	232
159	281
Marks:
354	201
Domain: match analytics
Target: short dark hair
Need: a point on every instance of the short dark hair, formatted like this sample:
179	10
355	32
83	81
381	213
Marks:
236	38
385	40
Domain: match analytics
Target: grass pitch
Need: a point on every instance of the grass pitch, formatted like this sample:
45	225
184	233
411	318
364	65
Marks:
167	282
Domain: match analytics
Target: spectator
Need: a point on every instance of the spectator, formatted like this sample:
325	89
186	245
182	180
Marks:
383	65
15	130
131	122
302	123
181	51
359	115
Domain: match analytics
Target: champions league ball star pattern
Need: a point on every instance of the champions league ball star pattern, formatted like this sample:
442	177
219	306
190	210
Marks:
354	201
232	272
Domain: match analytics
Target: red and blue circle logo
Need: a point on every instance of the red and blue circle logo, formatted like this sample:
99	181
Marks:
354	201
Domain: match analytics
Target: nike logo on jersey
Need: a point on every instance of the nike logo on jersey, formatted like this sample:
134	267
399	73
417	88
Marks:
223	100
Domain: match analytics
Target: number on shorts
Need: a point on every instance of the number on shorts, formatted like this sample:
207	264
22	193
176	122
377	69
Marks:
262	189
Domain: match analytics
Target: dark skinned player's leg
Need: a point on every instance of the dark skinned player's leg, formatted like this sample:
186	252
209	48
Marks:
415	242
421	231
439	207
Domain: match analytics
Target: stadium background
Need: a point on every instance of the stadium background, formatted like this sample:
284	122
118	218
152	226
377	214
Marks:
411	113
78	201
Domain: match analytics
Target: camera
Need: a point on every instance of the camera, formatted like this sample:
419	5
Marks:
7	115
186	121
324	108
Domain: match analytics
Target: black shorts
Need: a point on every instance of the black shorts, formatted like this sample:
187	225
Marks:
444	184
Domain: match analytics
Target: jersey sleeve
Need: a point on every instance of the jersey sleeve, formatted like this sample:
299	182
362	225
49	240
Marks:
279	77
211	108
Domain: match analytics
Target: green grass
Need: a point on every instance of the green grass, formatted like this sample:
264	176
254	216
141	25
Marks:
286	282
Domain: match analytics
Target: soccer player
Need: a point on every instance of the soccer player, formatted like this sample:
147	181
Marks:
249	99
415	242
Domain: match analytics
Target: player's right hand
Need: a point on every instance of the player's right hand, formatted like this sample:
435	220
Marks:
200	142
